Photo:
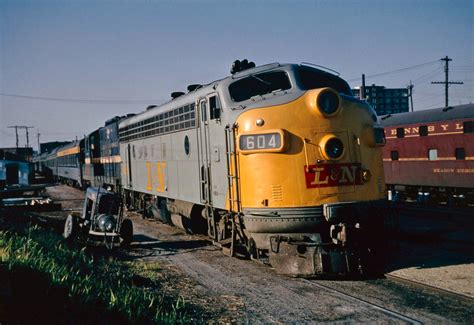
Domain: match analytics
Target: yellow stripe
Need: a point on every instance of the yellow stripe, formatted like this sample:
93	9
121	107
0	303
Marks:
67	152
429	134
412	159
446	158
110	160
445	133
105	160
424	159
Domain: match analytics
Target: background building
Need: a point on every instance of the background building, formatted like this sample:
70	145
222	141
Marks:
385	100
20	153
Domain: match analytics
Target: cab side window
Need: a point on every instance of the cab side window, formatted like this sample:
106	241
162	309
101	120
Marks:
215	107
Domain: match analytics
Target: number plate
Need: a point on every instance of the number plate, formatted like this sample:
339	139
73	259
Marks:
267	142
327	175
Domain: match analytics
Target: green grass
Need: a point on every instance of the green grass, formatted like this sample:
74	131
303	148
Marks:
51	281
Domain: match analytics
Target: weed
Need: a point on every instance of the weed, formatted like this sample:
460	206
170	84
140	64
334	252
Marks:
86	288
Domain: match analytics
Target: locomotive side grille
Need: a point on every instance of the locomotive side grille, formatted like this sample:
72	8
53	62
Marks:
178	119
277	193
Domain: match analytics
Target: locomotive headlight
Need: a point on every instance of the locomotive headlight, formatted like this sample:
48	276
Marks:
328	102
332	147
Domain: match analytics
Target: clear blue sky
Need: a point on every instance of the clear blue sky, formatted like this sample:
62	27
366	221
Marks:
141	51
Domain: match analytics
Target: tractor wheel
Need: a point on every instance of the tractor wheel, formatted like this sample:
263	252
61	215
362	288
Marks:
70	227
126	232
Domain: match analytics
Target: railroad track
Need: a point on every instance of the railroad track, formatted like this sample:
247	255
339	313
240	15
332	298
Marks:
440	211
428	287
391	313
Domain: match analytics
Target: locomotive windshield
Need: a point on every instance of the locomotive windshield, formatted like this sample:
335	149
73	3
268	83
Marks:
313	79
259	84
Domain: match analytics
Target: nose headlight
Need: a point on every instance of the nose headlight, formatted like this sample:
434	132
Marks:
328	102
332	147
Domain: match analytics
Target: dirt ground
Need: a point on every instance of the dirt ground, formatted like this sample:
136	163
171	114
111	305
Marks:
242	291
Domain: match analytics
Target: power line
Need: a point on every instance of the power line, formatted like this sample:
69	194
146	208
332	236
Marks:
396	71
428	75
84	100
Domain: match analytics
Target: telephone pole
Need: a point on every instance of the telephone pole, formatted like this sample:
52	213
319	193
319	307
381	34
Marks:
16	127
447	82
39	146
16	133
410	94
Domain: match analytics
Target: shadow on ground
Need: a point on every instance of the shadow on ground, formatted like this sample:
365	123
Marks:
431	238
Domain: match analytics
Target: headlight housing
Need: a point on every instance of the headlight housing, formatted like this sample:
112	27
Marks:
332	147
106	223
328	102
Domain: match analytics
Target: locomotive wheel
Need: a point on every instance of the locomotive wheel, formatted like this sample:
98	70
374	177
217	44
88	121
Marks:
126	232
252	249
164	212
70	227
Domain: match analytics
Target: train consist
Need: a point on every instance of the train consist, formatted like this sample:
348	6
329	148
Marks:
92	161
429	155
279	162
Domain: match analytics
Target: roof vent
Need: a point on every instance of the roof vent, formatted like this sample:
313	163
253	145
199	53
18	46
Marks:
193	87
112	120
176	94
238	66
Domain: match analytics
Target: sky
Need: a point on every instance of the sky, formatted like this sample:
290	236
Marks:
67	66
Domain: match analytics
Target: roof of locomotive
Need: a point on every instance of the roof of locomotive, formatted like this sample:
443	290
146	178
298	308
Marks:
222	86
429	115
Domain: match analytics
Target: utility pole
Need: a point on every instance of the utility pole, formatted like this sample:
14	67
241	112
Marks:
27	134
447	82
39	146
362	89
410	94
16	133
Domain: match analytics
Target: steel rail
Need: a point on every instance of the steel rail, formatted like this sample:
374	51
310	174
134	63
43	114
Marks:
414	283
365	302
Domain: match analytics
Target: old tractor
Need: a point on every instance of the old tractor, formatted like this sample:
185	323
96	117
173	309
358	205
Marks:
101	222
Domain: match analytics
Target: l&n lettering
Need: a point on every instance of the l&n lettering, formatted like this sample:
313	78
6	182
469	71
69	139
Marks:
327	175
317	176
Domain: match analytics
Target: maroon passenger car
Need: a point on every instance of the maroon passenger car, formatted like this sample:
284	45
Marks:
430	154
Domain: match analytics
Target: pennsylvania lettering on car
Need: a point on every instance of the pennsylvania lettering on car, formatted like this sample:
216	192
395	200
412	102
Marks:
326	175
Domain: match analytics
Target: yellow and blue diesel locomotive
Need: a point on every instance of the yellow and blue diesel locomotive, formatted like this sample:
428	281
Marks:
278	159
